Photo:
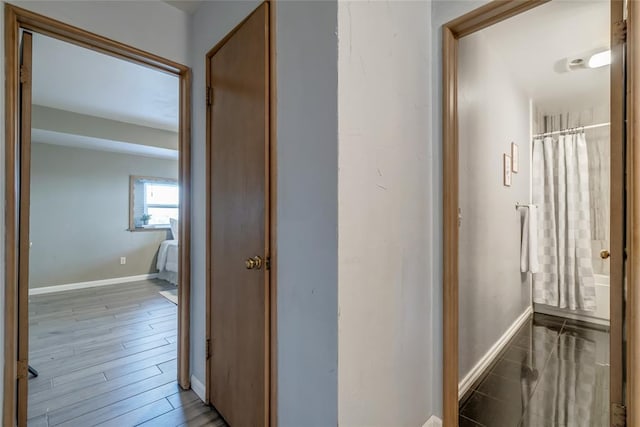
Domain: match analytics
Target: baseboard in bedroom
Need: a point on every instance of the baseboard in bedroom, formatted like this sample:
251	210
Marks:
490	356
92	284
198	388
433	422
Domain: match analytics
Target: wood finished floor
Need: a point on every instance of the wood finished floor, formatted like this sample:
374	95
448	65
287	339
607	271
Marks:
107	356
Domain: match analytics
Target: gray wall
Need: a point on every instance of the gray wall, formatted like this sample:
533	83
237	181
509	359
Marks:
62	121
80	215
385	352
307	200
442	11
307	56
493	112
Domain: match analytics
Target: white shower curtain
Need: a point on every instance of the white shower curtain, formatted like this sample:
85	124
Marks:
561	191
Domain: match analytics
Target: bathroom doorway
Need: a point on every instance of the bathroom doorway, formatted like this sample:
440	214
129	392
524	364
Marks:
534	214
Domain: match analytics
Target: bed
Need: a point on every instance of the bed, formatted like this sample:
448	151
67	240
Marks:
167	263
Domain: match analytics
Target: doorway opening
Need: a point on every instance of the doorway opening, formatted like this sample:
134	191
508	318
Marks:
97	226
534	213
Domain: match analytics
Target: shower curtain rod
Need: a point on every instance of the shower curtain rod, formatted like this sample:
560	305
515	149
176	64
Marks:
577	128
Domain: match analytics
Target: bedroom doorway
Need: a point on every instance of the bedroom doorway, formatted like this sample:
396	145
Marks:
97	324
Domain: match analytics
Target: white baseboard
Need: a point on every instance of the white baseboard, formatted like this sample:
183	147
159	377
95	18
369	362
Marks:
198	388
489	357
92	284
561	312
433	422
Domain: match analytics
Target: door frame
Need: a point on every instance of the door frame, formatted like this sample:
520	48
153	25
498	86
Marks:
271	214
485	16
16	18
632	308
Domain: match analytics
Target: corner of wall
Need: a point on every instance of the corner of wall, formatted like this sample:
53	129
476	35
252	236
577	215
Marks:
433	422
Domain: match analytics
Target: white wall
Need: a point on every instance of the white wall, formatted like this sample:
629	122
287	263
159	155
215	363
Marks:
493	111
166	35
307	200
385	338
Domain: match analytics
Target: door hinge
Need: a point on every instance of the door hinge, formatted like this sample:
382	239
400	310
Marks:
618	415
23	369
620	32
209	95
208	349
24	74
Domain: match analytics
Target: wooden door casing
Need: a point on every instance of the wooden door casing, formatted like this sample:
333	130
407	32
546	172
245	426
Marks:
617	209
17	20
239	115
23	230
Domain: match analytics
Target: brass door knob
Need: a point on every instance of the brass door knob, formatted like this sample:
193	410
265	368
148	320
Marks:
604	254
254	263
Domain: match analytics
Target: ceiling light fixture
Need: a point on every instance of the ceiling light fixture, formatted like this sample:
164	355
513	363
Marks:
600	59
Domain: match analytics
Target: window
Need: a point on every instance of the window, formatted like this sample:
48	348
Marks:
160	202
153	201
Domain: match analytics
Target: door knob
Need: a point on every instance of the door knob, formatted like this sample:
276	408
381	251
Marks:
604	254
254	263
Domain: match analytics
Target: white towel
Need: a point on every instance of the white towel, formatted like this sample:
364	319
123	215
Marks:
524	243
529	245
534	266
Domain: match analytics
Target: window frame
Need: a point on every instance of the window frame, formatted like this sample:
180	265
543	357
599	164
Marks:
132	201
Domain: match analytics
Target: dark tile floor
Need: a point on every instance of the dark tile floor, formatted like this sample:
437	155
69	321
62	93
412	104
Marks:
553	373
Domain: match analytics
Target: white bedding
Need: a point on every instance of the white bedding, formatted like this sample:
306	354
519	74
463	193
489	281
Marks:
168	256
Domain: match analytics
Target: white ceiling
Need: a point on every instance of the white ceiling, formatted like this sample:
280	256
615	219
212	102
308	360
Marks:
536	44
72	78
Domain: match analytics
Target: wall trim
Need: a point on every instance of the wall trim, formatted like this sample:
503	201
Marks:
569	314
433	422
91	284
198	388
493	352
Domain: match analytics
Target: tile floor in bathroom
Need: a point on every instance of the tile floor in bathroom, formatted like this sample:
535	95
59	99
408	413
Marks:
554	372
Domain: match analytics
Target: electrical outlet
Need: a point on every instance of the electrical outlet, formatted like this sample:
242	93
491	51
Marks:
123	260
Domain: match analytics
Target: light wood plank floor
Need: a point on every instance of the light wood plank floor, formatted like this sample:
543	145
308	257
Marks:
107	356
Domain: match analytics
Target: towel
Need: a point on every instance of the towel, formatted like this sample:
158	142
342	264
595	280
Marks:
534	266
529	244
524	243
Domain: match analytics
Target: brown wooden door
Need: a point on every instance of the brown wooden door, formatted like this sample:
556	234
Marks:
617	219
629	387
238	73
23	257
